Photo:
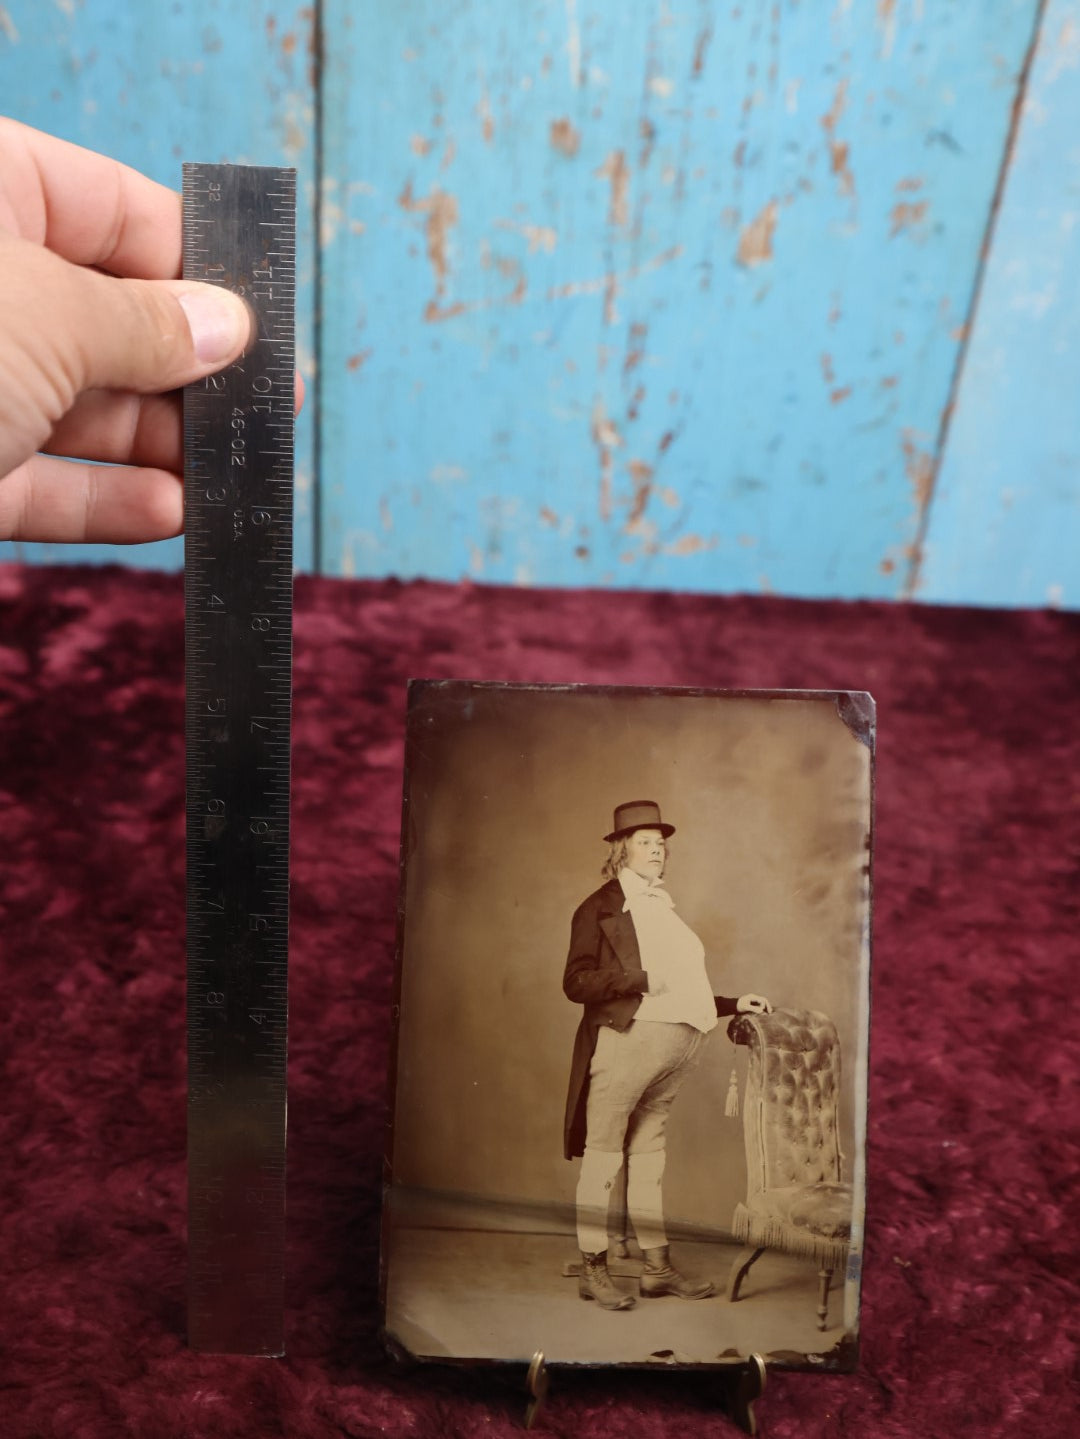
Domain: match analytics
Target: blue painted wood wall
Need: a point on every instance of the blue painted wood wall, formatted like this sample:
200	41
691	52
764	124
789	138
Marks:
775	294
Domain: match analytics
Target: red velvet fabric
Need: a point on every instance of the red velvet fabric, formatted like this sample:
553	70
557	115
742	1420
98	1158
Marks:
971	1276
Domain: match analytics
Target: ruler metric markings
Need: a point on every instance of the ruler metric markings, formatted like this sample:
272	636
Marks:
239	232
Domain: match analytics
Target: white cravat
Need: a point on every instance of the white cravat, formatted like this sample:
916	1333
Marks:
672	956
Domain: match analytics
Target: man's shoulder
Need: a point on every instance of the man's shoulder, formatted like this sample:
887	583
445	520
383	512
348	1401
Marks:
608	899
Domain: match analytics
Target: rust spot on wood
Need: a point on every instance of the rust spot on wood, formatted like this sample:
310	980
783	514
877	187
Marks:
288	43
838	163
549	516
838	149
642	476
608	284
420	145
617	171
540	237
440	210
647	131
886	14
611	295
508	267
689	545
581	552
636	347
919	465
565	138
755	239
701	50
832	117
434	312
487	119
890	382
837	397
357	362
906	215
828	374
666	440
887	566
607	439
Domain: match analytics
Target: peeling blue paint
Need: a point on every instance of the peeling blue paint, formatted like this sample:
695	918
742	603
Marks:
649	294
741	323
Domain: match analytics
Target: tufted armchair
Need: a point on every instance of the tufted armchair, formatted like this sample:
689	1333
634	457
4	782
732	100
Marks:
796	1200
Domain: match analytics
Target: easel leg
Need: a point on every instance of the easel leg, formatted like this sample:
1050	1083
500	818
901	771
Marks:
536	1382
746	1385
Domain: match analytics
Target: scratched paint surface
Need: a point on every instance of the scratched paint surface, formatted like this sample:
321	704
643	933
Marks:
665	294
157	84
1005	523
650	294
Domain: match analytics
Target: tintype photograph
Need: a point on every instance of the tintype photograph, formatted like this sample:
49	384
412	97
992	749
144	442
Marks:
631	1026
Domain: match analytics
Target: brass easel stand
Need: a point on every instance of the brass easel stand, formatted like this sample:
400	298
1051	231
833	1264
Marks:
743	1384
537	1383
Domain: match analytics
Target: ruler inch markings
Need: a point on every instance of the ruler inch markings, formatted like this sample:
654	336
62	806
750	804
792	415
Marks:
239	232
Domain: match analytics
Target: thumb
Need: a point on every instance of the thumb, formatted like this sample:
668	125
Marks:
68	329
155	335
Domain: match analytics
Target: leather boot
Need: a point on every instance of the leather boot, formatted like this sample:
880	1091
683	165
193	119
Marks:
596	1283
659	1278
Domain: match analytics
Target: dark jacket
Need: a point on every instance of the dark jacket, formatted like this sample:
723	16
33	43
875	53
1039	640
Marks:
603	973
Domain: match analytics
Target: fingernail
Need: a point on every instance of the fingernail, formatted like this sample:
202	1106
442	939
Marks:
219	323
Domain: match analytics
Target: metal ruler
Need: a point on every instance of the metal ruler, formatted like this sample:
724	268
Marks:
240	232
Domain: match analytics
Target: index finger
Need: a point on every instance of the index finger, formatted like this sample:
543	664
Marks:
87	207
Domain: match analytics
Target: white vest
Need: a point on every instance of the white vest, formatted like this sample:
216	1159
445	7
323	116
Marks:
671	955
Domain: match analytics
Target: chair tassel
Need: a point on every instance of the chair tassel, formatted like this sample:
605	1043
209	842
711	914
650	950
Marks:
731	1104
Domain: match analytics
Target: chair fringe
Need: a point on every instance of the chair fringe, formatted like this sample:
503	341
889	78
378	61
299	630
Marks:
752	1229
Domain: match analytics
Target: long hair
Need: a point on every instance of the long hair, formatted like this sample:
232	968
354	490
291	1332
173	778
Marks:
618	854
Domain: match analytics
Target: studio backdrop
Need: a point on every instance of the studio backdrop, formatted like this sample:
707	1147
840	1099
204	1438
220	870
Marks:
509	794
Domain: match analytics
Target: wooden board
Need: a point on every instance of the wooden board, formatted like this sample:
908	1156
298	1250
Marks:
657	295
671	294
1005	524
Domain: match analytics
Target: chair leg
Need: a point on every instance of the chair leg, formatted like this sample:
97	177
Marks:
740	1269
825	1278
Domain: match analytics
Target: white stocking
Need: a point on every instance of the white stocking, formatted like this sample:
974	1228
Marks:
644	1197
599	1170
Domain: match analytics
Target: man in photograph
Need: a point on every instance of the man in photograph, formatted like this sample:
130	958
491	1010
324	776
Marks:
639	972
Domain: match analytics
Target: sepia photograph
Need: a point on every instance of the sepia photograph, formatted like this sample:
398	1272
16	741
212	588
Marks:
628	1106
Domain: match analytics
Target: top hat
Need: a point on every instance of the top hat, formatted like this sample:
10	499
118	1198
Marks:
638	814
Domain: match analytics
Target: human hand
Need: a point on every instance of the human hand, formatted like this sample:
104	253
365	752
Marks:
753	1004
95	328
